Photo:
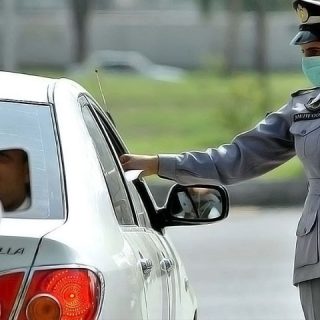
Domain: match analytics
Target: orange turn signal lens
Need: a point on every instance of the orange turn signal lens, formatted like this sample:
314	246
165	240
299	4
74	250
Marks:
43	307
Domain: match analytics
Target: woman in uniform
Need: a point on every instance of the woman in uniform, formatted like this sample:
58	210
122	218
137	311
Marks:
292	130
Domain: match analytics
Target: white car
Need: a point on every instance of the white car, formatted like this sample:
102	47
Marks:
128	62
91	242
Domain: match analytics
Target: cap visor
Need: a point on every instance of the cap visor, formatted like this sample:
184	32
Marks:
304	37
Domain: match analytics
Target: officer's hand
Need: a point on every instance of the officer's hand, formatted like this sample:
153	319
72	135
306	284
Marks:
149	164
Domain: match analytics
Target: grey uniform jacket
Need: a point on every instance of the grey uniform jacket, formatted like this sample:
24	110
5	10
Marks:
293	130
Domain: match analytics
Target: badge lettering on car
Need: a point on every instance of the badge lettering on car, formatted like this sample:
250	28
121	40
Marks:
11	251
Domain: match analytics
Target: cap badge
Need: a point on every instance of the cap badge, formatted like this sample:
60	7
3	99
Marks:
302	13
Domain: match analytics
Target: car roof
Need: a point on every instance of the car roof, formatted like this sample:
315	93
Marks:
33	89
22	87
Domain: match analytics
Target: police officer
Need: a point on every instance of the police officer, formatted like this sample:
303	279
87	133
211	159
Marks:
292	130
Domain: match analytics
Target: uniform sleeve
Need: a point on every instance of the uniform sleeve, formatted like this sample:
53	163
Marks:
249	155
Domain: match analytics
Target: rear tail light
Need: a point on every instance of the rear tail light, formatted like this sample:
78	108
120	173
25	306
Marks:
62	294
9	288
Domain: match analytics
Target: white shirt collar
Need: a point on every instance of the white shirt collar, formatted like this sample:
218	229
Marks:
24	205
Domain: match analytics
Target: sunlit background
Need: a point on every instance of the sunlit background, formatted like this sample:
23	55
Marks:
176	74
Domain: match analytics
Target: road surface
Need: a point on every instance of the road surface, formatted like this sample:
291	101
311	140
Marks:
241	268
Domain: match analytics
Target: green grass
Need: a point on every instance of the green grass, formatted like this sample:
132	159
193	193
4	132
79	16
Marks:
204	110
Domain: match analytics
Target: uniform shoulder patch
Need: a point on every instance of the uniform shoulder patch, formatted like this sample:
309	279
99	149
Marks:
303	91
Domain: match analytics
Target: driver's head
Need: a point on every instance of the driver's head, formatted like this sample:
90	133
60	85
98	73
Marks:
14	178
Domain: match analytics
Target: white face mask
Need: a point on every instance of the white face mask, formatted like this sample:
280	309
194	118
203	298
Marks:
311	69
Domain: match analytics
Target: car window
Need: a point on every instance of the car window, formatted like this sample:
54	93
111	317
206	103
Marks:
138	201
106	122
27	134
118	67
111	172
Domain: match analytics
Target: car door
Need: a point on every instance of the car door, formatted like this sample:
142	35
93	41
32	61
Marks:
155	280
147	253
162	258
166	256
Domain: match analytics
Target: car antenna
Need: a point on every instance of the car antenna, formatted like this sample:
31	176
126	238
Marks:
100	88
103	98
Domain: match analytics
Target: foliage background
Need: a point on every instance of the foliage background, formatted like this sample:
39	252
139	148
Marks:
203	110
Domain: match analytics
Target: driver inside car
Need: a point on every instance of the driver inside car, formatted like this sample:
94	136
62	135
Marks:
14	180
206	201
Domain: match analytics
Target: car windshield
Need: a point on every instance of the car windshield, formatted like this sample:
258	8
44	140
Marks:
27	135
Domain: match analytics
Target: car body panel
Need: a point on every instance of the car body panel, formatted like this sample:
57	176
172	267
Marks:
31	88
185	302
155	282
20	242
82	191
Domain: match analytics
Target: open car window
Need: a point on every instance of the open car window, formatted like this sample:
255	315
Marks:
29	160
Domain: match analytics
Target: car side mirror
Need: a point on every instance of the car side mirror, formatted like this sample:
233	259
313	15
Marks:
196	205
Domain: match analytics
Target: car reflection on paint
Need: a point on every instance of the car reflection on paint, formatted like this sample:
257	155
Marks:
91	244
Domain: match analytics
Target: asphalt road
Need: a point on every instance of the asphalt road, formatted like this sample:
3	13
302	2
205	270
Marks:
241	268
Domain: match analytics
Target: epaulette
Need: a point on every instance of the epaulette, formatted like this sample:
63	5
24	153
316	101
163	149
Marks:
303	91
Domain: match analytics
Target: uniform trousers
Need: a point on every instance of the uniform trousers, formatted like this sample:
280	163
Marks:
310	298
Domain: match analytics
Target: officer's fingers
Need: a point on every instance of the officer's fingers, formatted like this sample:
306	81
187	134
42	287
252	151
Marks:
132	162
124	158
127	162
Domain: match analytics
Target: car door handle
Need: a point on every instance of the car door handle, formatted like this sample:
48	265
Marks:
146	265
166	264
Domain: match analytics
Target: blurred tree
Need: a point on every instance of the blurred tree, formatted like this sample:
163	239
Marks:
234	9
260	51
259	8
270	5
205	7
104	4
80	10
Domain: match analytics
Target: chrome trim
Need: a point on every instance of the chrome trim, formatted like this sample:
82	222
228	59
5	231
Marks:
3	272
36	103
63	183
186	284
146	265
132	228
167	265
